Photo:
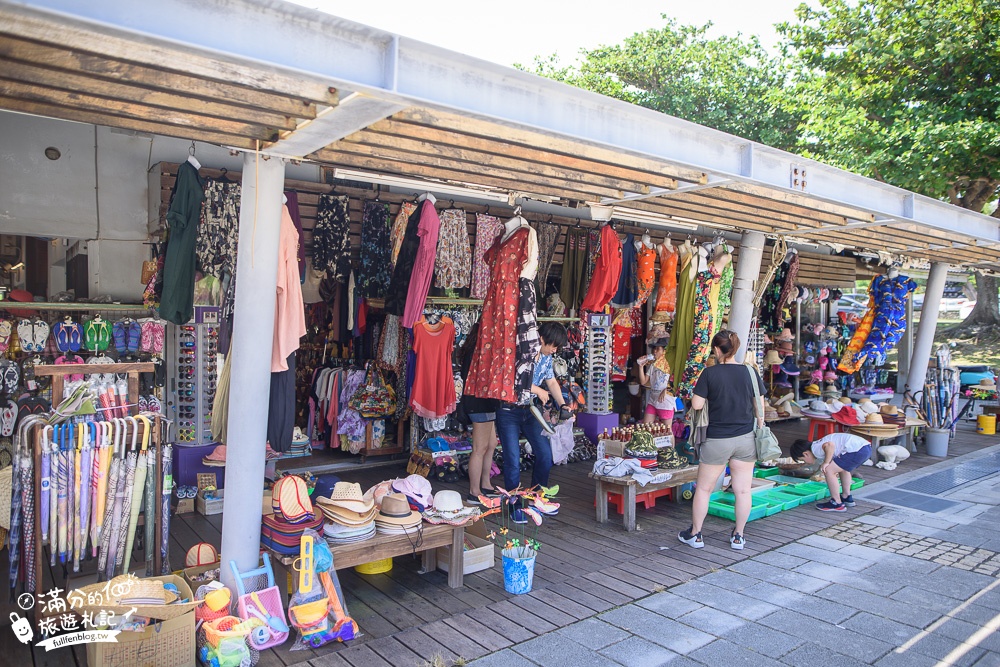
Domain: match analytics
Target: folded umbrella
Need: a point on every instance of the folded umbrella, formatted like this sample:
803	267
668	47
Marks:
166	463
113	477
135	502
43	500
125	513
150	509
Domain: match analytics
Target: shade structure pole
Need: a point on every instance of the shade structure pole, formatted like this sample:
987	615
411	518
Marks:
744	279
250	379
924	340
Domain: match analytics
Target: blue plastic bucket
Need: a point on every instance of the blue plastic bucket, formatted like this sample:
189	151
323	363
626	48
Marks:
518	572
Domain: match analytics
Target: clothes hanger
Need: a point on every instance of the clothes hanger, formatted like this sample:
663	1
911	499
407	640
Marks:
428	197
192	159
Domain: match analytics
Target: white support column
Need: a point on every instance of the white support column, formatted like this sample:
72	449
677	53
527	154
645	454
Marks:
905	351
924	340
253	334
747	272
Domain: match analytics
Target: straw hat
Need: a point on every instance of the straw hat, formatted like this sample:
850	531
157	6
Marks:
449	508
202	553
845	400
6	485
785	348
987	383
785	335
396	512
772	358
812	389
348	496
874	418
346	517
889	410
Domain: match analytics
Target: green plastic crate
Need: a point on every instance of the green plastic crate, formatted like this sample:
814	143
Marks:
807	495
784	501
724	511
766	472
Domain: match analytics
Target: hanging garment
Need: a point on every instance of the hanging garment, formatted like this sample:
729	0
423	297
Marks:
218	233
488	229
772	317
423	265
528	342
402	272
593	254
683	331
281	406
453	266
645	273
628	287
433	394
607	271
289	310
621	344
491	374
574	268
666	296
292	202
177	300
375	272
548	237
406	209
725	295
331	241
788	288
701	340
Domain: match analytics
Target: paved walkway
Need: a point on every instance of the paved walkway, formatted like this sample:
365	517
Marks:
898	587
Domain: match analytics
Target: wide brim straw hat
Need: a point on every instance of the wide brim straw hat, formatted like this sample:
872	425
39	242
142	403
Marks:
348	495
772	358
153	589
887	409
987	383
396	511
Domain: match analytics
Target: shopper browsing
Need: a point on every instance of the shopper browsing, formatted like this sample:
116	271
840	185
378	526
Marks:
840	453
545	389
482	413
659	401
725	388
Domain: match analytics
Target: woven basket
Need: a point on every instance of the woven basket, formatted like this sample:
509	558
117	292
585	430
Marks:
159	612
203	613
227	627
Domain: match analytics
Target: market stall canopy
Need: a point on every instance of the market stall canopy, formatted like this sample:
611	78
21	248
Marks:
298	83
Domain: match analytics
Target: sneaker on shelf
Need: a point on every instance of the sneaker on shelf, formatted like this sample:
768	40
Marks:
539	415
691	539
736	541
830	506
848	500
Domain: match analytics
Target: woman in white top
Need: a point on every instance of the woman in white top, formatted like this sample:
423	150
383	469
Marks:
659	402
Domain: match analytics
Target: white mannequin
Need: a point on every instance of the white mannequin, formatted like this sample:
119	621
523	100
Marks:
646	240
892	273
513	225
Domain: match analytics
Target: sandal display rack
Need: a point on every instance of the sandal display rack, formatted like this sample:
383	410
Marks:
193	369
598	367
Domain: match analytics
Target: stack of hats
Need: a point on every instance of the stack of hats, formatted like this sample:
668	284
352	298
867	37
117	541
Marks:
875	426
395	516
348	513
892	415
293	514
417	491
449	508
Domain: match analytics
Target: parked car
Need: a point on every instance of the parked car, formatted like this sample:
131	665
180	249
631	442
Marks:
852	303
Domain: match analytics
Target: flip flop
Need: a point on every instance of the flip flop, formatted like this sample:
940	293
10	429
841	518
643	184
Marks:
8	417
154	405
134	333
26	335
39	335
71	360
120	335
5	331
10	376
75	337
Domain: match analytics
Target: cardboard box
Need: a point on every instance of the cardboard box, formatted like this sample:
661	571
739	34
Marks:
611	448
208	507
190	574
479	558
165	644
185	506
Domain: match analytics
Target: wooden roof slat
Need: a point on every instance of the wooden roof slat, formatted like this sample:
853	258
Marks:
533	154
490	130
193	121
415	165
722	196
488	160
803	200
120	92
736	209
150	127
75	36
109	69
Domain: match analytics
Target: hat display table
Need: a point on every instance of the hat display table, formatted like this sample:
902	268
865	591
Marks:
387	546
627	487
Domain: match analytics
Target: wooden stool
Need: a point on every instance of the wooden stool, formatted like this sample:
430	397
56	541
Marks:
820	428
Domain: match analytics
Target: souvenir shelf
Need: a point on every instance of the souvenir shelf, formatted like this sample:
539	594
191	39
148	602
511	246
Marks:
598	364
192	351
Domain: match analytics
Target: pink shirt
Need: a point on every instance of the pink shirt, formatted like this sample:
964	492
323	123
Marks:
289	311
423	265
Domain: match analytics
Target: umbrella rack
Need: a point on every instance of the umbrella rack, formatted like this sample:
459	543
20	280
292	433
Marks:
160	463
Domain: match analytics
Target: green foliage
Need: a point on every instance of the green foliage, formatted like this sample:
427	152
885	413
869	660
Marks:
902	90
727	83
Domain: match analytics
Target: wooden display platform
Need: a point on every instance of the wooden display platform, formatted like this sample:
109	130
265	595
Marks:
626	486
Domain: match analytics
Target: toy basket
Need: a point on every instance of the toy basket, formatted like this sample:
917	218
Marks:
260	582
203	613
227	627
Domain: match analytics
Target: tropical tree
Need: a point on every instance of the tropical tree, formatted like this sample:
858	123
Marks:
727	83
905	91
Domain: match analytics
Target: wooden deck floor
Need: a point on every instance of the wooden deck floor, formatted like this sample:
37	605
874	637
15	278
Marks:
584	568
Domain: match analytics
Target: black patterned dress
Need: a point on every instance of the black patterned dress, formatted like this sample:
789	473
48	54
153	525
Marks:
376	269
331	242
528	343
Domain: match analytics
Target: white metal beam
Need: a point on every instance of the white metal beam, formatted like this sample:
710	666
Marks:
355	112
657	193
352	56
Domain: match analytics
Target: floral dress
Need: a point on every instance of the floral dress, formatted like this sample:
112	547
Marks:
488	228
491	373
406	209
704	322
453	265
218	233
376	271
331	242
645	274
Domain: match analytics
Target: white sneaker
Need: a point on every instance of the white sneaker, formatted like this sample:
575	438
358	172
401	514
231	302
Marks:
736	541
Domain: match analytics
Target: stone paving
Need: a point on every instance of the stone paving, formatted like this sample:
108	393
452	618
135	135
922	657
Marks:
893	588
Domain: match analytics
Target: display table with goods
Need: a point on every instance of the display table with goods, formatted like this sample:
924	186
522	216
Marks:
628	487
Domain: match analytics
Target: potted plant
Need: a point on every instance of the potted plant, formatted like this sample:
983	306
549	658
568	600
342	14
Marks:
517	541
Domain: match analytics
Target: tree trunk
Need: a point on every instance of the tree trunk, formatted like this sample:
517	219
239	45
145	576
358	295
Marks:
987	310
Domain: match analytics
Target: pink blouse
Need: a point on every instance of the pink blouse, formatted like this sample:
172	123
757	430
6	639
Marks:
423	265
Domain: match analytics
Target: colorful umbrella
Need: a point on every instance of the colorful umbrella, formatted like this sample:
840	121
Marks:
28	508
135	502
166	463
149	505
86	463
16	516
113	477
123	519
72	504
43	500
102	483
63	490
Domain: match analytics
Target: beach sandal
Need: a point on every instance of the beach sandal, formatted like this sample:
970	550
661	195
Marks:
143	405
8	417
10	376
5	331
102	377
159	373
134	333
120	335
39	335
147	340
70	360
26	335
154	404
75	337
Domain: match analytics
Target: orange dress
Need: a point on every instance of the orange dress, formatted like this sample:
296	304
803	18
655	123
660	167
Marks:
433	393
645	273
666	299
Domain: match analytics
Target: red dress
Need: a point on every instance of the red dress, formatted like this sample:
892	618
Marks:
491	374
604	282
433	393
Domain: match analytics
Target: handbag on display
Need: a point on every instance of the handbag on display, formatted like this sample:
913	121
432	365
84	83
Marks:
375	398
764	439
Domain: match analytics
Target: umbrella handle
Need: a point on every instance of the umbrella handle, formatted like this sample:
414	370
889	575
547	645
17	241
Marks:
135	431
146	431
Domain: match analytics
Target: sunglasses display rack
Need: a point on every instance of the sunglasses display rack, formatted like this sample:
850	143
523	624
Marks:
598	366
193	377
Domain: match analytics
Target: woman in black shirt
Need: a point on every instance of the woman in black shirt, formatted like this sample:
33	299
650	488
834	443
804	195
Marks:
727	391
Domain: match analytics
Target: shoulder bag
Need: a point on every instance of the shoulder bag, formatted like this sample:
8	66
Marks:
767	443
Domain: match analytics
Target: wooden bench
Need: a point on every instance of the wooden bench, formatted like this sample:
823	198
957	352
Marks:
387	546
626	487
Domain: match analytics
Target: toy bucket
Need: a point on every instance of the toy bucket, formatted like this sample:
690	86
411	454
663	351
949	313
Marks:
375	567
518	572
986	424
